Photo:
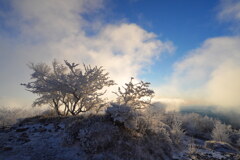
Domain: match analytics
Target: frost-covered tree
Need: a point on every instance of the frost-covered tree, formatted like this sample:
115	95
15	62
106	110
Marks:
76	90
221	132
177	133
136	95
197	126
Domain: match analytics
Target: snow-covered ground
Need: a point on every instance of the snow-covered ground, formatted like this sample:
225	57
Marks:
43	139
36	141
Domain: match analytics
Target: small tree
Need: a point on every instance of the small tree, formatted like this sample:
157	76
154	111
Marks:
77	90
221	132
177	133
136	95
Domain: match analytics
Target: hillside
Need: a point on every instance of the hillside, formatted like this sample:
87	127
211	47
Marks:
119	134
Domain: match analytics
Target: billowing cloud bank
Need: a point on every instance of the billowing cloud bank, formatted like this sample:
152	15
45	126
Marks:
209	74
36	31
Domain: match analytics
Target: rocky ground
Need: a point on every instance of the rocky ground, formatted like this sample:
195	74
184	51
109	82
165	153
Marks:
43	139
36	141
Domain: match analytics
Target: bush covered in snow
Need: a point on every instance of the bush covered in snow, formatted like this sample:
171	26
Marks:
177	132
197	125
9	116
74	89
221	132
120	113
125	133
137	96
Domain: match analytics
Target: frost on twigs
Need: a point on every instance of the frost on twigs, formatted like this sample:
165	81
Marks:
124	115
221	132
97	137
68	89
177	133
119	113
197	126
136	95
151	133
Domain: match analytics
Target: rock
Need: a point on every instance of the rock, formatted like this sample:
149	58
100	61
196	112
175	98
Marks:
41	129
24	138
7	148
57	127
24	135
21	129
220	147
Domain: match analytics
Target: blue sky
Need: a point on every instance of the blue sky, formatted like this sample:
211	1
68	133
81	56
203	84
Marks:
188	50
186	23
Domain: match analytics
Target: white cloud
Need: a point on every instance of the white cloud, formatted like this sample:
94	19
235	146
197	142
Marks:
229	11
123	49
224	85
48	29
209	74
51	19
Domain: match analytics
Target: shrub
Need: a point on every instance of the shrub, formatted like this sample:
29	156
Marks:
76	90
154	135
177	133
120	113
221	132
71	131
127	117
136	95
122	133
97	137
9	116
235	137
198	126
159	143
